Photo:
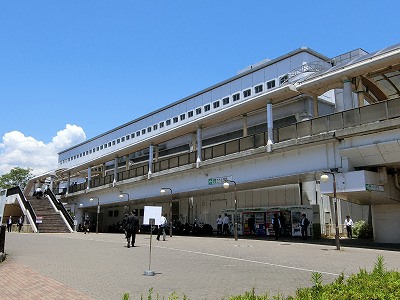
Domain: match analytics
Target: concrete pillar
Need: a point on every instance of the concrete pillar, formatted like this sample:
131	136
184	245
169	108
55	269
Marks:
315	106
199	146
89	177
127	162
115	170
245	125
104	169
68	181
151	155
51	182
360	92
193	146
270	125
156	153
347	94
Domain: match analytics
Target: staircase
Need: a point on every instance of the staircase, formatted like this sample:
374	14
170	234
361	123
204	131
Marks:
52	222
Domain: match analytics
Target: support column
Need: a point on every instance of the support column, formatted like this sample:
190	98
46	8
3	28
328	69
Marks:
199	146
347	94
270	125
68	182
115	171
89	177
360	92
156	153
193	146
315	106
126	162
104	169
150	161
244	125
51	182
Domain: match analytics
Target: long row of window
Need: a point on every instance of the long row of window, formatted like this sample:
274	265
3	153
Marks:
188	115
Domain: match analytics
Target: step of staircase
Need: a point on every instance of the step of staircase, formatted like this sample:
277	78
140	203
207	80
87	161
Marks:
52	222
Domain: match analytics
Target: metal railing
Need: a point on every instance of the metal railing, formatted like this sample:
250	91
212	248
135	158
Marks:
60	207
17	191
350	118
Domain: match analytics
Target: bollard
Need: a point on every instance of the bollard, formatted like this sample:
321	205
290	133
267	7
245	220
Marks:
2	237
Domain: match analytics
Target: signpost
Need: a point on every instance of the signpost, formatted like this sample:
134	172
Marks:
152	216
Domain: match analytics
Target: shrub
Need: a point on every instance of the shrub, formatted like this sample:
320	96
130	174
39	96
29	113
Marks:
363	230
378	284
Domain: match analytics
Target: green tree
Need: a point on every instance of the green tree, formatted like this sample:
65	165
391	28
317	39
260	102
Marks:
16	176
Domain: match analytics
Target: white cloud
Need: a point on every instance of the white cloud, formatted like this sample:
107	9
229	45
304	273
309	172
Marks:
18	150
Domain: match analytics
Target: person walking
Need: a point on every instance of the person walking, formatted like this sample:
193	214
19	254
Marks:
9	224
304	222
251	222
276	225
86	226
124	224
132	227
225	225
349	227
162	227
20	223
39	193
282	219
219	225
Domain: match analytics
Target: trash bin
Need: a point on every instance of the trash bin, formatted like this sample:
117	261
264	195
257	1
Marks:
2	237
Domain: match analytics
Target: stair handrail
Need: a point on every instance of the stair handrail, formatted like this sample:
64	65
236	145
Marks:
16	190
60	207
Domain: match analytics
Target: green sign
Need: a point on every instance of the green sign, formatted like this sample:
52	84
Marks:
218	180
374	188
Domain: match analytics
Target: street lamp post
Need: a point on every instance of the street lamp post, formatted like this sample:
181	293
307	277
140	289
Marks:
121	195
235	224
325	178
98	212
170	209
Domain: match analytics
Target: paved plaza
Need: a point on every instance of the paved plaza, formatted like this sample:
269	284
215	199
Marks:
101	267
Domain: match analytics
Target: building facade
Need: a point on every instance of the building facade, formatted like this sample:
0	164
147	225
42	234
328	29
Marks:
270	131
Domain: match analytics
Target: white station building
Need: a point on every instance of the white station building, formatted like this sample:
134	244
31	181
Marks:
270	131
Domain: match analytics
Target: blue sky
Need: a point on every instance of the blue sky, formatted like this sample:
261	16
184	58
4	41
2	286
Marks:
98	64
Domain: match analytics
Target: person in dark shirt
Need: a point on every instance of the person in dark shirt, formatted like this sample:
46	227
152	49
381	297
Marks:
304	225
132	227
251	224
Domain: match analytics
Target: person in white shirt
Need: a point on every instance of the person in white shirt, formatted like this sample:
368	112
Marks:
162	226
9	224
219	225
225	223
349	224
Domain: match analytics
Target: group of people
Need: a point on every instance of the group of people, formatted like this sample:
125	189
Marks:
223	225
278	225
19	224
38	193
130	225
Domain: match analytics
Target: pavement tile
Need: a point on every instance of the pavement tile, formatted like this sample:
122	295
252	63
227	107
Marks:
99	266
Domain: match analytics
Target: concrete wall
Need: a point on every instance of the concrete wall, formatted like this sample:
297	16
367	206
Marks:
386	223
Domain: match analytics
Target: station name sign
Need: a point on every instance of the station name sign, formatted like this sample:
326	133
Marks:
374	188
218	180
